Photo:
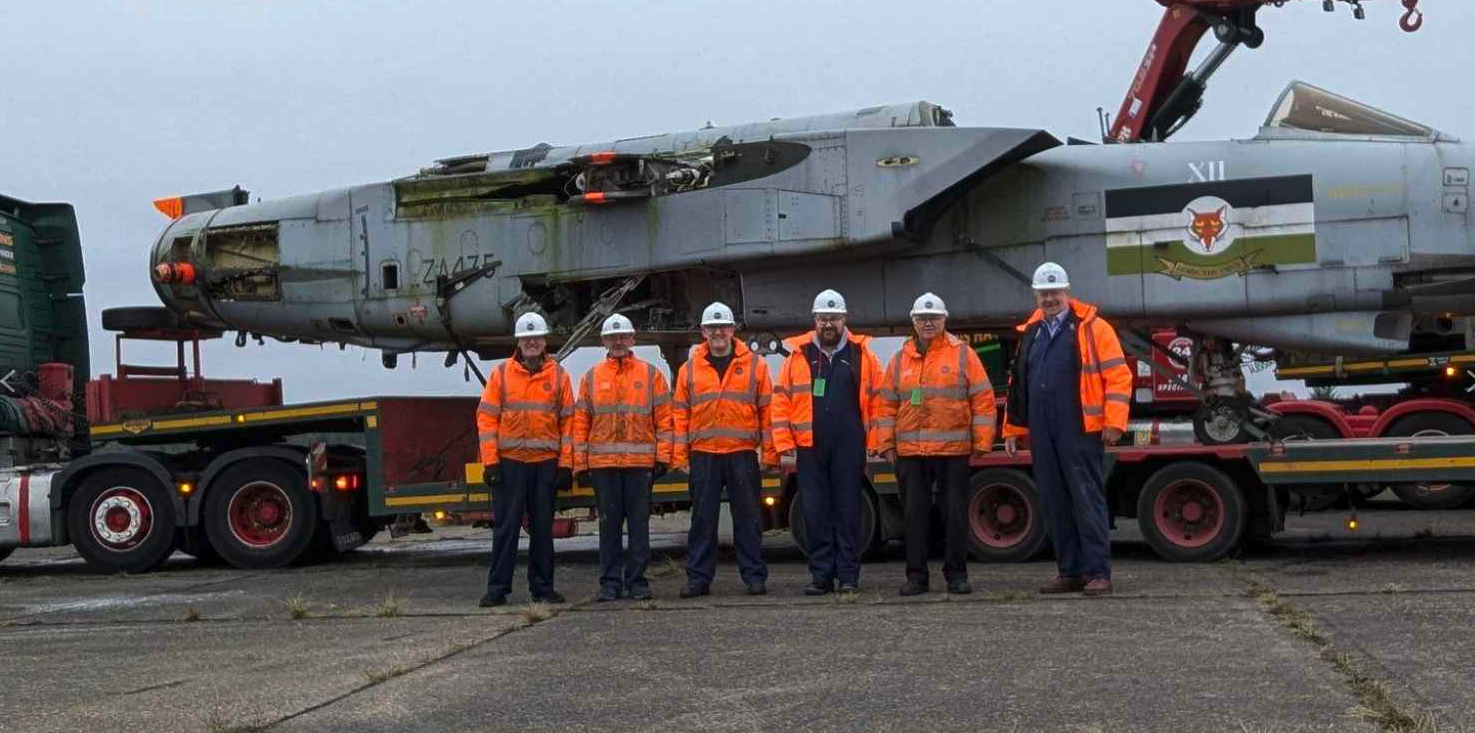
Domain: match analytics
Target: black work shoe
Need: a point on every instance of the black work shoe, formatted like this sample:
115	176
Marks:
959	587
849	588
552	596
914	588
817	588
758	589
492	599
641	594
692	591
606	595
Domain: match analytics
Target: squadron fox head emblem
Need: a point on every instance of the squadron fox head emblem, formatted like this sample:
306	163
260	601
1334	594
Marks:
1207	228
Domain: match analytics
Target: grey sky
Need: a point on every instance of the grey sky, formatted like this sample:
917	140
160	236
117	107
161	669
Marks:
108	105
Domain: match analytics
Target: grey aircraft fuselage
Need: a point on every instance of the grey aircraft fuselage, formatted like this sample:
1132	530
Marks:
1299	239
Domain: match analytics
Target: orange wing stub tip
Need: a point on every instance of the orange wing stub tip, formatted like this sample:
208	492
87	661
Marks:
595	198
602	158
182	273
171	206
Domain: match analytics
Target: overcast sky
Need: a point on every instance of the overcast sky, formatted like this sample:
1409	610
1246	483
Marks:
107	105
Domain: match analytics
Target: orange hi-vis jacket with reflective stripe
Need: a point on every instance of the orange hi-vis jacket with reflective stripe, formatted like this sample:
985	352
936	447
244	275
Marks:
793	396
623	416
1106	380
525	416
936	404
723	414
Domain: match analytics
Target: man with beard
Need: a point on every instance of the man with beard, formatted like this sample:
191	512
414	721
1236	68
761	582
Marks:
525	426
823	403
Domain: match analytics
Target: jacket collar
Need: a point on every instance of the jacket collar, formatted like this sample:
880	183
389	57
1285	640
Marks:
739	350
911	343
548	363
796	343
1082	310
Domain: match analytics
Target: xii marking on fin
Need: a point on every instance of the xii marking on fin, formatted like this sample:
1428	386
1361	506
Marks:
1206	170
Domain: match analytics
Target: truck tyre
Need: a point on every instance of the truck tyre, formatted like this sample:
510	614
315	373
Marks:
140	318
260	514
1004	519
1432	495
5	552
1191	512
870	525
121	520
1316	497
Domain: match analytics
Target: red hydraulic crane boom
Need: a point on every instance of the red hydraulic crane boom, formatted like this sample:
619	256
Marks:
1164	95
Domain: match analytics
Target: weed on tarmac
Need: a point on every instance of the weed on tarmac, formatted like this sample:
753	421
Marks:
191	614
535	612
390	607
297	608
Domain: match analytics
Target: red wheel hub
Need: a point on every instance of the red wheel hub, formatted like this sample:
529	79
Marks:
260	514
122	518
1189	513
1000	516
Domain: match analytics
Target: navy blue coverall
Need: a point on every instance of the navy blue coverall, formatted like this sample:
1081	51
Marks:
830	472
1067	461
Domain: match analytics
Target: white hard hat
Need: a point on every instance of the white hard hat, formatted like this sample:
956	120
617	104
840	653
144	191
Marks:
829	302
616	325
928	304
530	324
1051	276
717	314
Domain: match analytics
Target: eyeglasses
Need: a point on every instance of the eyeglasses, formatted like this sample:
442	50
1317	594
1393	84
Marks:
830	320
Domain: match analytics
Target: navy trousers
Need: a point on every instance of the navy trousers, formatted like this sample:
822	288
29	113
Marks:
624	497
1068	472
738	473
830	496
526	488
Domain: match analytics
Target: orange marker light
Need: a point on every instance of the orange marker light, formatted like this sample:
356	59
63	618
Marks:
1352	524
769	501
186	488
1450	371
172	206
341	483
440	516
317	483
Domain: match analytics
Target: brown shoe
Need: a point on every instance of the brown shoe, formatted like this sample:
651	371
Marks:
1098	587
1060	584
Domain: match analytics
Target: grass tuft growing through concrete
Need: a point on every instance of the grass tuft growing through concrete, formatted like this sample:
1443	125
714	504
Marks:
535	612
191	614
1376	702
390	607
297	608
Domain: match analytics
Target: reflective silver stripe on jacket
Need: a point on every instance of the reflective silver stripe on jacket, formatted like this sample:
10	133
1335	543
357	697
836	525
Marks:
945	436
705	433
506	444
644	449
489	409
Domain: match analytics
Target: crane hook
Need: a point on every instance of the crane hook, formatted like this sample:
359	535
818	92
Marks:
1412	18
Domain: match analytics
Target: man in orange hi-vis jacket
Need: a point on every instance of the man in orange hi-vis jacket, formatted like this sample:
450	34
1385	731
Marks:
525	426
1070	392
622	442
723	421
937	410
823	406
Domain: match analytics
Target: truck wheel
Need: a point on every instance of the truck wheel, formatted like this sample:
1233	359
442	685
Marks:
1313	497
1004	519
5	552
260	514
1432	495
1191	512
870	525
122	520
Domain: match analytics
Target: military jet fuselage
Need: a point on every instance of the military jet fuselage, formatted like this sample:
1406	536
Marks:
1337	228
